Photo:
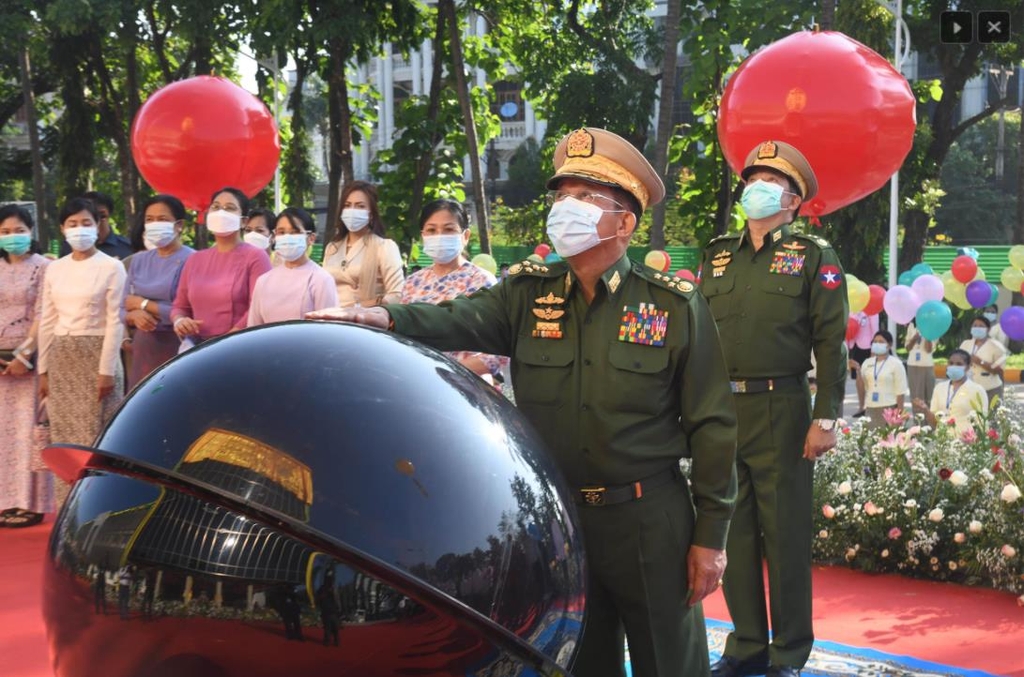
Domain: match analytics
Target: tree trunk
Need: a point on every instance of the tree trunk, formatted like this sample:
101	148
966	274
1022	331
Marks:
1018	227
339	169
665	108
458	65
723	215
38	184
295	170
828	13
426	161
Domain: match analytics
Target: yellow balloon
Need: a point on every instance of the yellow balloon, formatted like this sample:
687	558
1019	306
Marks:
858	294
487	262
1016	256
980	275
956	293
1012	278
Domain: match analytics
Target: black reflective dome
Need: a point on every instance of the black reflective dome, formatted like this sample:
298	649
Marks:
273	493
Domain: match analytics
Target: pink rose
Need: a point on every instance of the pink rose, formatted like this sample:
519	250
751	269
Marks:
895	533
1008	550
828	511
959	537
870	508
969	436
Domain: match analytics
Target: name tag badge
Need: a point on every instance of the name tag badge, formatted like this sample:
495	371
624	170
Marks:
917	356
874	397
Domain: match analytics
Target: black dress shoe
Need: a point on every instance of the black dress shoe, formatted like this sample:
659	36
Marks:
783	671
729	666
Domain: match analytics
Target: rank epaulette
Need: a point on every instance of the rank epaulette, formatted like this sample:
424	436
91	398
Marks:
820	241
528	267
677	284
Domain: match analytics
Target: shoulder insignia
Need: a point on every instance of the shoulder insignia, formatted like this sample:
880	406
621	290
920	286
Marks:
537	269
793	245
721	238
676	284
819	241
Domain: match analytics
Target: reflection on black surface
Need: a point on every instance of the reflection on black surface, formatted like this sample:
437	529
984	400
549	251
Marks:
358	528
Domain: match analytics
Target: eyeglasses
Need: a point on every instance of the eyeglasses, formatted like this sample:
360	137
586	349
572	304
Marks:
587	196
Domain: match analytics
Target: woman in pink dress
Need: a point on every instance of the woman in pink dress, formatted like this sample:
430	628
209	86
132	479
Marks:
22	271
217	283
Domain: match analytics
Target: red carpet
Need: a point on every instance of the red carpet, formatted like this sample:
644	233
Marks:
948	624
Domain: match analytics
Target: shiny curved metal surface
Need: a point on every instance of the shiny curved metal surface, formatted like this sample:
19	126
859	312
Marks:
247	468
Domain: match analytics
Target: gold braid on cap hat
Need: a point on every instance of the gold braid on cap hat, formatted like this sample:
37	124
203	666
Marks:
581	160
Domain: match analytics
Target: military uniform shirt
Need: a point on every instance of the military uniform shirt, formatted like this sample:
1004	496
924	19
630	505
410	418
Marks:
775	305
611	411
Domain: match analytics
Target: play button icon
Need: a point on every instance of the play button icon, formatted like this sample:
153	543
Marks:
956	27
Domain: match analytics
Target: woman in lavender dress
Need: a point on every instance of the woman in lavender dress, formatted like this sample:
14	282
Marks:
22	271
151	285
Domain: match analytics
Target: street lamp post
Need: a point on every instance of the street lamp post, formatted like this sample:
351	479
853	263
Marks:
901	48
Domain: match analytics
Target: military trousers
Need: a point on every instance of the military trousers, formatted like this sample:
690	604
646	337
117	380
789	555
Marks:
772	522
637	586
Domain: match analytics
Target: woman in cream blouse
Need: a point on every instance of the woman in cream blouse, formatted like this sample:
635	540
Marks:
885	379
366	267
958	398
987	358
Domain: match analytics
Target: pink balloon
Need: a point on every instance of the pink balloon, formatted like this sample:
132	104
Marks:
686	274
929	288
902	302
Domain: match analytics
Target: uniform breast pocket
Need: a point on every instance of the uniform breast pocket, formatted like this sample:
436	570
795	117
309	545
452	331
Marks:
640	379
716	291
781	293
543	368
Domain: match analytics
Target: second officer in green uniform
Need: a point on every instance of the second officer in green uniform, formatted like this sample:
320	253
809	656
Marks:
619	368
777	295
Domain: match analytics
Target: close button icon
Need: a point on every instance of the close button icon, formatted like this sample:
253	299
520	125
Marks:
993	26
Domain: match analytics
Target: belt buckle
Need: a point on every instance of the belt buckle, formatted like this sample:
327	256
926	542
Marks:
738	386
593	495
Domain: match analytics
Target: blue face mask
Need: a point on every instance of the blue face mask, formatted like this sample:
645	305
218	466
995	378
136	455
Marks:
761	199
16	243
979	332
991	317
955	372
880	348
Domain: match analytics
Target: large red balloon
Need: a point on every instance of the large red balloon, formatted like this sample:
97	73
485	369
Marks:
195	136
840	103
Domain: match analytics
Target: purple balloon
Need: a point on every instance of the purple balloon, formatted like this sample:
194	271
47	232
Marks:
1012	322
901	302
978	293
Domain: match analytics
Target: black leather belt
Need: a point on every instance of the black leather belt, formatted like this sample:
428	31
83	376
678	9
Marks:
627	492
763	385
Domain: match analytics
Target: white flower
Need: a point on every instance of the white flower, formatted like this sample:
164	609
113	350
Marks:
959	537
1008	551
936	515
885	553
851	553
974	527
1013	440
958	478
823	534
952	566
845	487
856	507
986	474
910	503
1010	493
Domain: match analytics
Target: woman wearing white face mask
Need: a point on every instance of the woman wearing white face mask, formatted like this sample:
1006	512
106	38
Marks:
216	284
152	283
987	358
80	332
445	231
995	331
366	267
258	230
885	380
298	285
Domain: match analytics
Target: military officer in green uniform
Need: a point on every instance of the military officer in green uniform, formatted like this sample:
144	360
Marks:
619	368
776	295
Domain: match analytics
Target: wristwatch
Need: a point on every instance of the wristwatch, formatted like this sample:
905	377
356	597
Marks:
145	302
826	424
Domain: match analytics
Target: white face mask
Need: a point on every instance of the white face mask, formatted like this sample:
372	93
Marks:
82	238
572	226
442	248
880	348
290	247
158	234
257	239
355	219
221	222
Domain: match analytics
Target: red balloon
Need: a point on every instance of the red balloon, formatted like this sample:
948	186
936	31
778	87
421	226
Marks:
839	102
852	327
686	274
876	300
196	136
964	268
542	250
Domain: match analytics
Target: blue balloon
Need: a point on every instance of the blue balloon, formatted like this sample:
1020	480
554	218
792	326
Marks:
968	251
920	269
933	319
907	278
552	258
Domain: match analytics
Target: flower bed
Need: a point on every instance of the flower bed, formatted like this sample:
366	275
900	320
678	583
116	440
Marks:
926	502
